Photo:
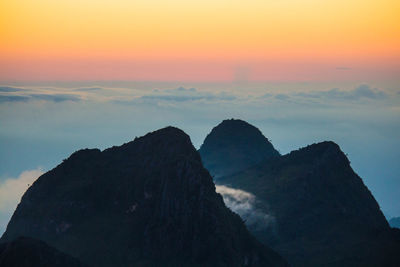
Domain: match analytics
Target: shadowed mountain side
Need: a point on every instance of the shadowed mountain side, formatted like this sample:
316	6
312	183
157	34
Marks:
325	215
234	145
28	252
149	202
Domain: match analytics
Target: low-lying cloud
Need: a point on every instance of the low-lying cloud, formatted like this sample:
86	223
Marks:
56	97
40	97
13	98
361	92
89	89
243	203
11	191
182	94
8	89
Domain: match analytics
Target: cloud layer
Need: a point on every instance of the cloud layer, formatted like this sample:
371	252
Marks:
360	92
243	203
182	95
42	123
44	97
10	89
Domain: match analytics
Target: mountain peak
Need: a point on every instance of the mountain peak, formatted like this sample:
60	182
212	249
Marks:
325	145
236	125
167	131
326	151
234	145
167	136
164	135
320	205
149	202
169	142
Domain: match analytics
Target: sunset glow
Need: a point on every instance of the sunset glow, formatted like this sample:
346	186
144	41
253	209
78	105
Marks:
199	133
87	39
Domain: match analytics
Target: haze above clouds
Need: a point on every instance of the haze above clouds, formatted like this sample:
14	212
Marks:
41	124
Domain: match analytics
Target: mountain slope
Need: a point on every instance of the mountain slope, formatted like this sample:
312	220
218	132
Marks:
234	145
28	252
324	214
149	202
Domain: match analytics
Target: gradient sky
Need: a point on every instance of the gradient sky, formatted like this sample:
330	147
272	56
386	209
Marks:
97	73
199	40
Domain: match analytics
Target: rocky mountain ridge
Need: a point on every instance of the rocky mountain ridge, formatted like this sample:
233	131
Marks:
323	214
149	202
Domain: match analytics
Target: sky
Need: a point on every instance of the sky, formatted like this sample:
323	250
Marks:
218	40
77	74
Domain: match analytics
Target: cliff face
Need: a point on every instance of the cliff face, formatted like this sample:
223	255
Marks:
234	145
28	252
324	214
321	213
147	202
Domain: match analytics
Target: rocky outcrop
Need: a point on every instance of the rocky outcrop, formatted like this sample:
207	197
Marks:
149	202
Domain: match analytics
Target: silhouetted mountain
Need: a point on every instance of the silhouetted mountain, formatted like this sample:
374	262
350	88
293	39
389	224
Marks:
234	145
28	252
319	212
149	202
395	222
324	214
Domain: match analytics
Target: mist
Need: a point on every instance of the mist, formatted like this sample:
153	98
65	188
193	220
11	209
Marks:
244	204
43	123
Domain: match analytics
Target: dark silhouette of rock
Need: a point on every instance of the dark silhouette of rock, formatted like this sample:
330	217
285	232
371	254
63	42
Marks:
321	213
28	252
234	145
395	222
149	202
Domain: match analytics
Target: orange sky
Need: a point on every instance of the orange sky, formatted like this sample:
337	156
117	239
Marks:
199	40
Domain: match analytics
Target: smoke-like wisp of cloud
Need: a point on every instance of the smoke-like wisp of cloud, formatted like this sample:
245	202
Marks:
11	191
243	203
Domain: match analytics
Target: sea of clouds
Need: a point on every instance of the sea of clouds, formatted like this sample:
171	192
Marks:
42	124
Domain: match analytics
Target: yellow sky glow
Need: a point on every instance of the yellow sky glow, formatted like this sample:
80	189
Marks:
225	30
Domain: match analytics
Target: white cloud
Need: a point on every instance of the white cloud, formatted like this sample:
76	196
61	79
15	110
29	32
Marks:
11	191
360	92
41	97
243	203
182	94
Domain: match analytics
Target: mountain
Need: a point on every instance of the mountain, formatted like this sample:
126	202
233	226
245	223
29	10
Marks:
234	145
395	222
149	202
311	207
28	252
324	214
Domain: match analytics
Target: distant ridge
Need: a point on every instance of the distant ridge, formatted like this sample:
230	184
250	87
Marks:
234	145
